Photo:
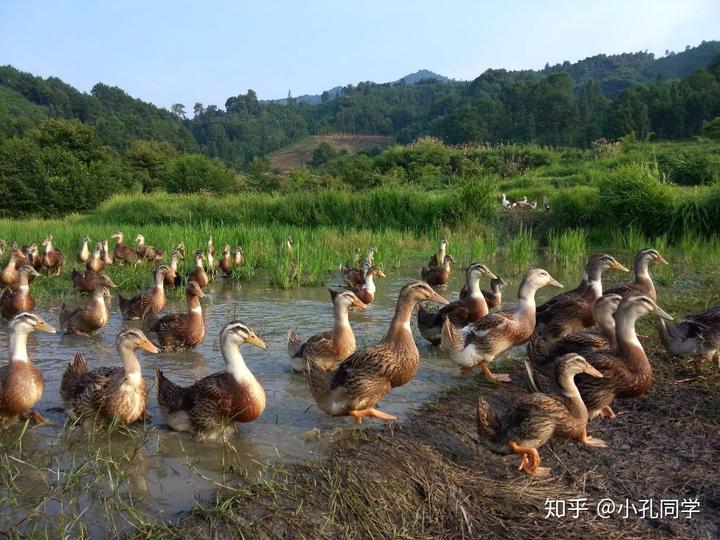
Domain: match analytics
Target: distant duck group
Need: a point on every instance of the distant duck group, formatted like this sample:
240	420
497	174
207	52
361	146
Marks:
524	204
574	373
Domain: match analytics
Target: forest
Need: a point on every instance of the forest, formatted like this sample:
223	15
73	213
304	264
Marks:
64	151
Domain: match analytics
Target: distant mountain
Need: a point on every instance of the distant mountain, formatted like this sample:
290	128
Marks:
337	91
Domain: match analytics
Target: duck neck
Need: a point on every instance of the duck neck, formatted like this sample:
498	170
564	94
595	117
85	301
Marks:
642	273
193	305
526	297
235	363
99	294
199	264
574	402
119	240
606	322
18	346
130	362
141	243
84	248
24	282
160	281
446	265
593	281
342	322
441	254
370	283
174	262
472	280
400	324
628	344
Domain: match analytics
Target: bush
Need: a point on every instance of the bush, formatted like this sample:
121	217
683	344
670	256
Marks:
691	166
195	173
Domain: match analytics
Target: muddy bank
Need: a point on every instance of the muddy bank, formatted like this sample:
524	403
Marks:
429	477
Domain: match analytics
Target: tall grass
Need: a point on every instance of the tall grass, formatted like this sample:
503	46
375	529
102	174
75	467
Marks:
522	249
568	246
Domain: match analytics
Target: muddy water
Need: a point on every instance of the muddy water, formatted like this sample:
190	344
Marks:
62	474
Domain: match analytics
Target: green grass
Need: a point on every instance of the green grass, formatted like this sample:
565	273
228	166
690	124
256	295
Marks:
522	249
569	246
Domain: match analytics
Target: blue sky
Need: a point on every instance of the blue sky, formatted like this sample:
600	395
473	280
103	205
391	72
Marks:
168	51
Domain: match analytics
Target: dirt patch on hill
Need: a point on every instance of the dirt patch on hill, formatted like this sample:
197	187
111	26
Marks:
299	154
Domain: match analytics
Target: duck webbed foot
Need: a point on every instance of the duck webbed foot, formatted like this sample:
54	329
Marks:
607	412
360	414
494	377
35	417
592	442
529	460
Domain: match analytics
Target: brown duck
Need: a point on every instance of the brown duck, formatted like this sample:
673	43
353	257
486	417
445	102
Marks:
626	370
146	252
461	312
133	308
172	277
536	418
105	395
438	275
19	300
21	383
643	283
213	404
10	276
179	330
327	349
366	291
91	317
198	274
83	255
482	341
369	374
52	259
122	253
437	259
96	263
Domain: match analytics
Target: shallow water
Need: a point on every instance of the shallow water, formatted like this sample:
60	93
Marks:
104	478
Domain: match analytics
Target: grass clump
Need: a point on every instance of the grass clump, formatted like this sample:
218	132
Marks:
568	246
522	249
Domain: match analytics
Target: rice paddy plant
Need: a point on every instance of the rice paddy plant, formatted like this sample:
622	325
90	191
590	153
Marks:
568	246
522	249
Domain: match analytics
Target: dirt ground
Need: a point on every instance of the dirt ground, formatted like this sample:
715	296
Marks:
430	477
299	154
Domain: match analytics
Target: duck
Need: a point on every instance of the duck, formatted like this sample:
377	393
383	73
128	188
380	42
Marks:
10	276
546	205
536	418
25	257
356	275
366	291
697	335
107	255
438	275
32	254
438	259
493	297
172	277
627	373
526	205
179	330
212	263
369	374
122	253
84	254
3	245
146	252
108	395
461	312
504	201
133	308
52	259
226	261
572	311
327	349
19	300
604	308
21	382
238	257
211	406
83	281
643	283
482	341
91	317
198	274
96	263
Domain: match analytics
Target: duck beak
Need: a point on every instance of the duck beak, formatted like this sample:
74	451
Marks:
503	282
617	266
593	372
252	339
662	313
555	283
148	346
45	327
381	274
359	304
202	294
491	275
438	299
662	259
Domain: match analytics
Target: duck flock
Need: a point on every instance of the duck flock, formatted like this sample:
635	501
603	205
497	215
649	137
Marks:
574	373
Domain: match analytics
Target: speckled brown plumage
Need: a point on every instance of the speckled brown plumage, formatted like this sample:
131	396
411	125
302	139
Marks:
437	275
643	283
16	301
133	308
122	253
179	330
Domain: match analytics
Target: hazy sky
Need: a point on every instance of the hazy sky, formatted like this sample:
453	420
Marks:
168	51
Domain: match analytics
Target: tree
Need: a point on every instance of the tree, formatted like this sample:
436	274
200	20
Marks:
178	109
198	108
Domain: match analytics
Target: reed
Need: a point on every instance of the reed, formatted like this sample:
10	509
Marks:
522	249
569	246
